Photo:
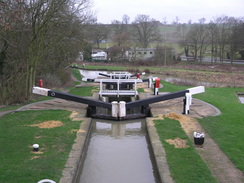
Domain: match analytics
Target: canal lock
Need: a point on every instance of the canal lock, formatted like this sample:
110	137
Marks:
117	151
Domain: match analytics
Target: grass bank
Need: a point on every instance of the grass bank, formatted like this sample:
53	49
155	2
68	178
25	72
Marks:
19	131
227	129
185	164
18	162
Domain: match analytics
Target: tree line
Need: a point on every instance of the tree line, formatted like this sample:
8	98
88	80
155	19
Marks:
222	38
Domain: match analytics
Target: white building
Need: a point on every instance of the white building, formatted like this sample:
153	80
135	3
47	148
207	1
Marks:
99	56
140	54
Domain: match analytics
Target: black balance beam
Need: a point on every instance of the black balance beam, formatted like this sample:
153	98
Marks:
74	98
155	99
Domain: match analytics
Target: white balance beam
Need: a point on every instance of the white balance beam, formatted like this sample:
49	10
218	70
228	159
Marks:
196	90
40	90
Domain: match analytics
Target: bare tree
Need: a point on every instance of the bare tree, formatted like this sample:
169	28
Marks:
121	38
121	31
213	38
35	32
223	36
176	21
197	39
240	41
146	30
164	20
181	33
97	33
235	37
164	55
125	19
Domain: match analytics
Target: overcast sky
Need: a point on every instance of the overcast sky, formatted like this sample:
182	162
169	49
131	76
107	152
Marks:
185	10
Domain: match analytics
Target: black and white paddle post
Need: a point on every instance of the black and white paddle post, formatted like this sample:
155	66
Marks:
150	81
87	79
188	97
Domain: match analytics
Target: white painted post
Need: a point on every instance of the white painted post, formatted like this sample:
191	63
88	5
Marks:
188	102
154	78
196	90
155	90
149	82
101	88
122	109
115	109
118	88
135	86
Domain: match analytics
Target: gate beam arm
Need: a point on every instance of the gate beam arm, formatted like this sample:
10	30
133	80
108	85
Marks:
106	75
74	98
168	96
87	79
155	99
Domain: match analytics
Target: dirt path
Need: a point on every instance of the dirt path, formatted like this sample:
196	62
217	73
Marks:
5	112
220	165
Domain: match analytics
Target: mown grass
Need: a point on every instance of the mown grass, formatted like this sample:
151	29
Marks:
14	107
9	108
106	67
76	74
140	90
18	162
186	165
226	129
83	91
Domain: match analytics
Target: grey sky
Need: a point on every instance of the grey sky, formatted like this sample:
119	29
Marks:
108	10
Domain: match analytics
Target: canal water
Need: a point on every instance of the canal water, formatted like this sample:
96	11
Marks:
118	152
241	98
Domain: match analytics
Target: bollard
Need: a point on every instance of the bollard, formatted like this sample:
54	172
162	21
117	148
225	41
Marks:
157	81
115	109
40	83
149	82
187	103
35	147
122	109
46	181
198	138
156	86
